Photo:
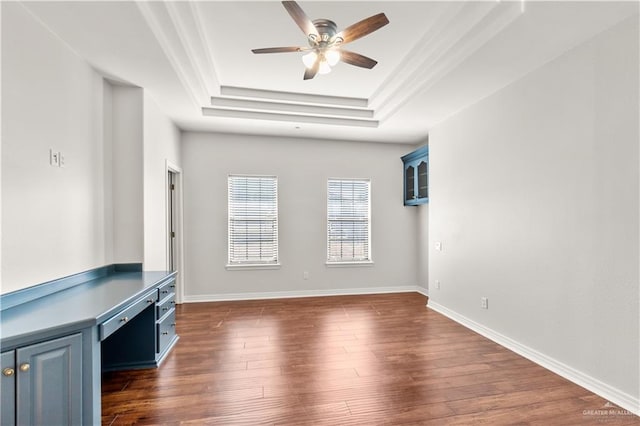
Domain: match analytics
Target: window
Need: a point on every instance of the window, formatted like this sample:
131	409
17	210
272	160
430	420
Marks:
253	220
348	221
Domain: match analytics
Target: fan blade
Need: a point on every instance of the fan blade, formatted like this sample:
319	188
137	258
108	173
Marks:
279	49
362	28
309	73
356	59
303	21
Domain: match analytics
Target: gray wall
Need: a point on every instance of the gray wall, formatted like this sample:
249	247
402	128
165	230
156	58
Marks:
302	167
534	195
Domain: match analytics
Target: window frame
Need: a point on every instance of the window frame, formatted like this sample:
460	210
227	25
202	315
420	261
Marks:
234	264
347	262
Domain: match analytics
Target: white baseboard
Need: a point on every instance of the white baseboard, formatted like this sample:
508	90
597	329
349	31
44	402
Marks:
300	293
423	291
622	399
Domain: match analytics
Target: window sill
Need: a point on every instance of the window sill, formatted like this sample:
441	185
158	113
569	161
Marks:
349	264
252	266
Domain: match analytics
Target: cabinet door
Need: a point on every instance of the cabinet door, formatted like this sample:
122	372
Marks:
8	388
423	180
49	382
409	183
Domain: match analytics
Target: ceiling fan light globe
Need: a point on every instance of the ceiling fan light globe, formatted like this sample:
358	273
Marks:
324	68
309	59
333	57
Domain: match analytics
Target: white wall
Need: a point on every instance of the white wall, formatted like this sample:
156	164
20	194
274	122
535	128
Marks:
423	246
127	174
534	195
161	143
52	218
143	139
302	167
107	205
107	162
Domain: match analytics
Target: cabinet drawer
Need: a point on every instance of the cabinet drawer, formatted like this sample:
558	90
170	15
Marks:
108	327
166	330
165	305
166	288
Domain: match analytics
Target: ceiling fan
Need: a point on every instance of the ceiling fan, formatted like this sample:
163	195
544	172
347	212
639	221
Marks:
325	43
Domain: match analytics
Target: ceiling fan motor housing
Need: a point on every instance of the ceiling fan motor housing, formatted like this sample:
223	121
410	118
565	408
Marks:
326	28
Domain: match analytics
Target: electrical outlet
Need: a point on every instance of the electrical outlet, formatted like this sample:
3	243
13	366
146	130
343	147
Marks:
484	302
54	158
437	284
438	246
305	275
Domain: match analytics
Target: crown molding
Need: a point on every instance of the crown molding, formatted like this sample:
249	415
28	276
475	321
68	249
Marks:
189	28
461	30
308	98
295	118
291	107
417	57
163	28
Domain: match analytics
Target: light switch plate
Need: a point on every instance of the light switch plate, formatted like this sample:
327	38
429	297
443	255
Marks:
54	158
484	303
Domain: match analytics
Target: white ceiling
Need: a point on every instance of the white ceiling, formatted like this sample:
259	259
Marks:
434	59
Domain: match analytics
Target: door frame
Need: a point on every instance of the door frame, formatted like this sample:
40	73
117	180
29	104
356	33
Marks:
178	242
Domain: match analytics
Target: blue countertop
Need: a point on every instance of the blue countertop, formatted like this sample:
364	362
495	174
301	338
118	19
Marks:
81	306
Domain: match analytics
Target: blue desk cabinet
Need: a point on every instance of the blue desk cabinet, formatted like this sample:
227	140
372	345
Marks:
416	177
149	322
44	384
57	338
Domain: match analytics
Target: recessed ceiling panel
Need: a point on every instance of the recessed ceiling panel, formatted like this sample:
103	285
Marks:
234	28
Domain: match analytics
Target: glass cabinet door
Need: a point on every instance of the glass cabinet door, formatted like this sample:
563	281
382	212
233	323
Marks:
423	180
409	182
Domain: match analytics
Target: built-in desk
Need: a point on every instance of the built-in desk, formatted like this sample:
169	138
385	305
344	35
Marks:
57	337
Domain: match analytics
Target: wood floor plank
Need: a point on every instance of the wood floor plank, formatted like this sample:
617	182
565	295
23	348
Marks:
342	360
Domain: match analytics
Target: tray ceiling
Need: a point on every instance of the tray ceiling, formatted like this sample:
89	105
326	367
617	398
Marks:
434	59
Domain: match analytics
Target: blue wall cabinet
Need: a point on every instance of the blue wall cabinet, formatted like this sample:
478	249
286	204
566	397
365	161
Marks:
42	383
416	177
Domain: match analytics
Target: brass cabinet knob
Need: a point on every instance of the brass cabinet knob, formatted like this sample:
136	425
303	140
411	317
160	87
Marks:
150	300
8	372
25	367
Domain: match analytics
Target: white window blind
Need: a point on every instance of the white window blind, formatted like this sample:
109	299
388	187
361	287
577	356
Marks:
253	220
348	220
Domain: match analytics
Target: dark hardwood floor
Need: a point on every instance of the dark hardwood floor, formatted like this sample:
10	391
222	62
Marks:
352	360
